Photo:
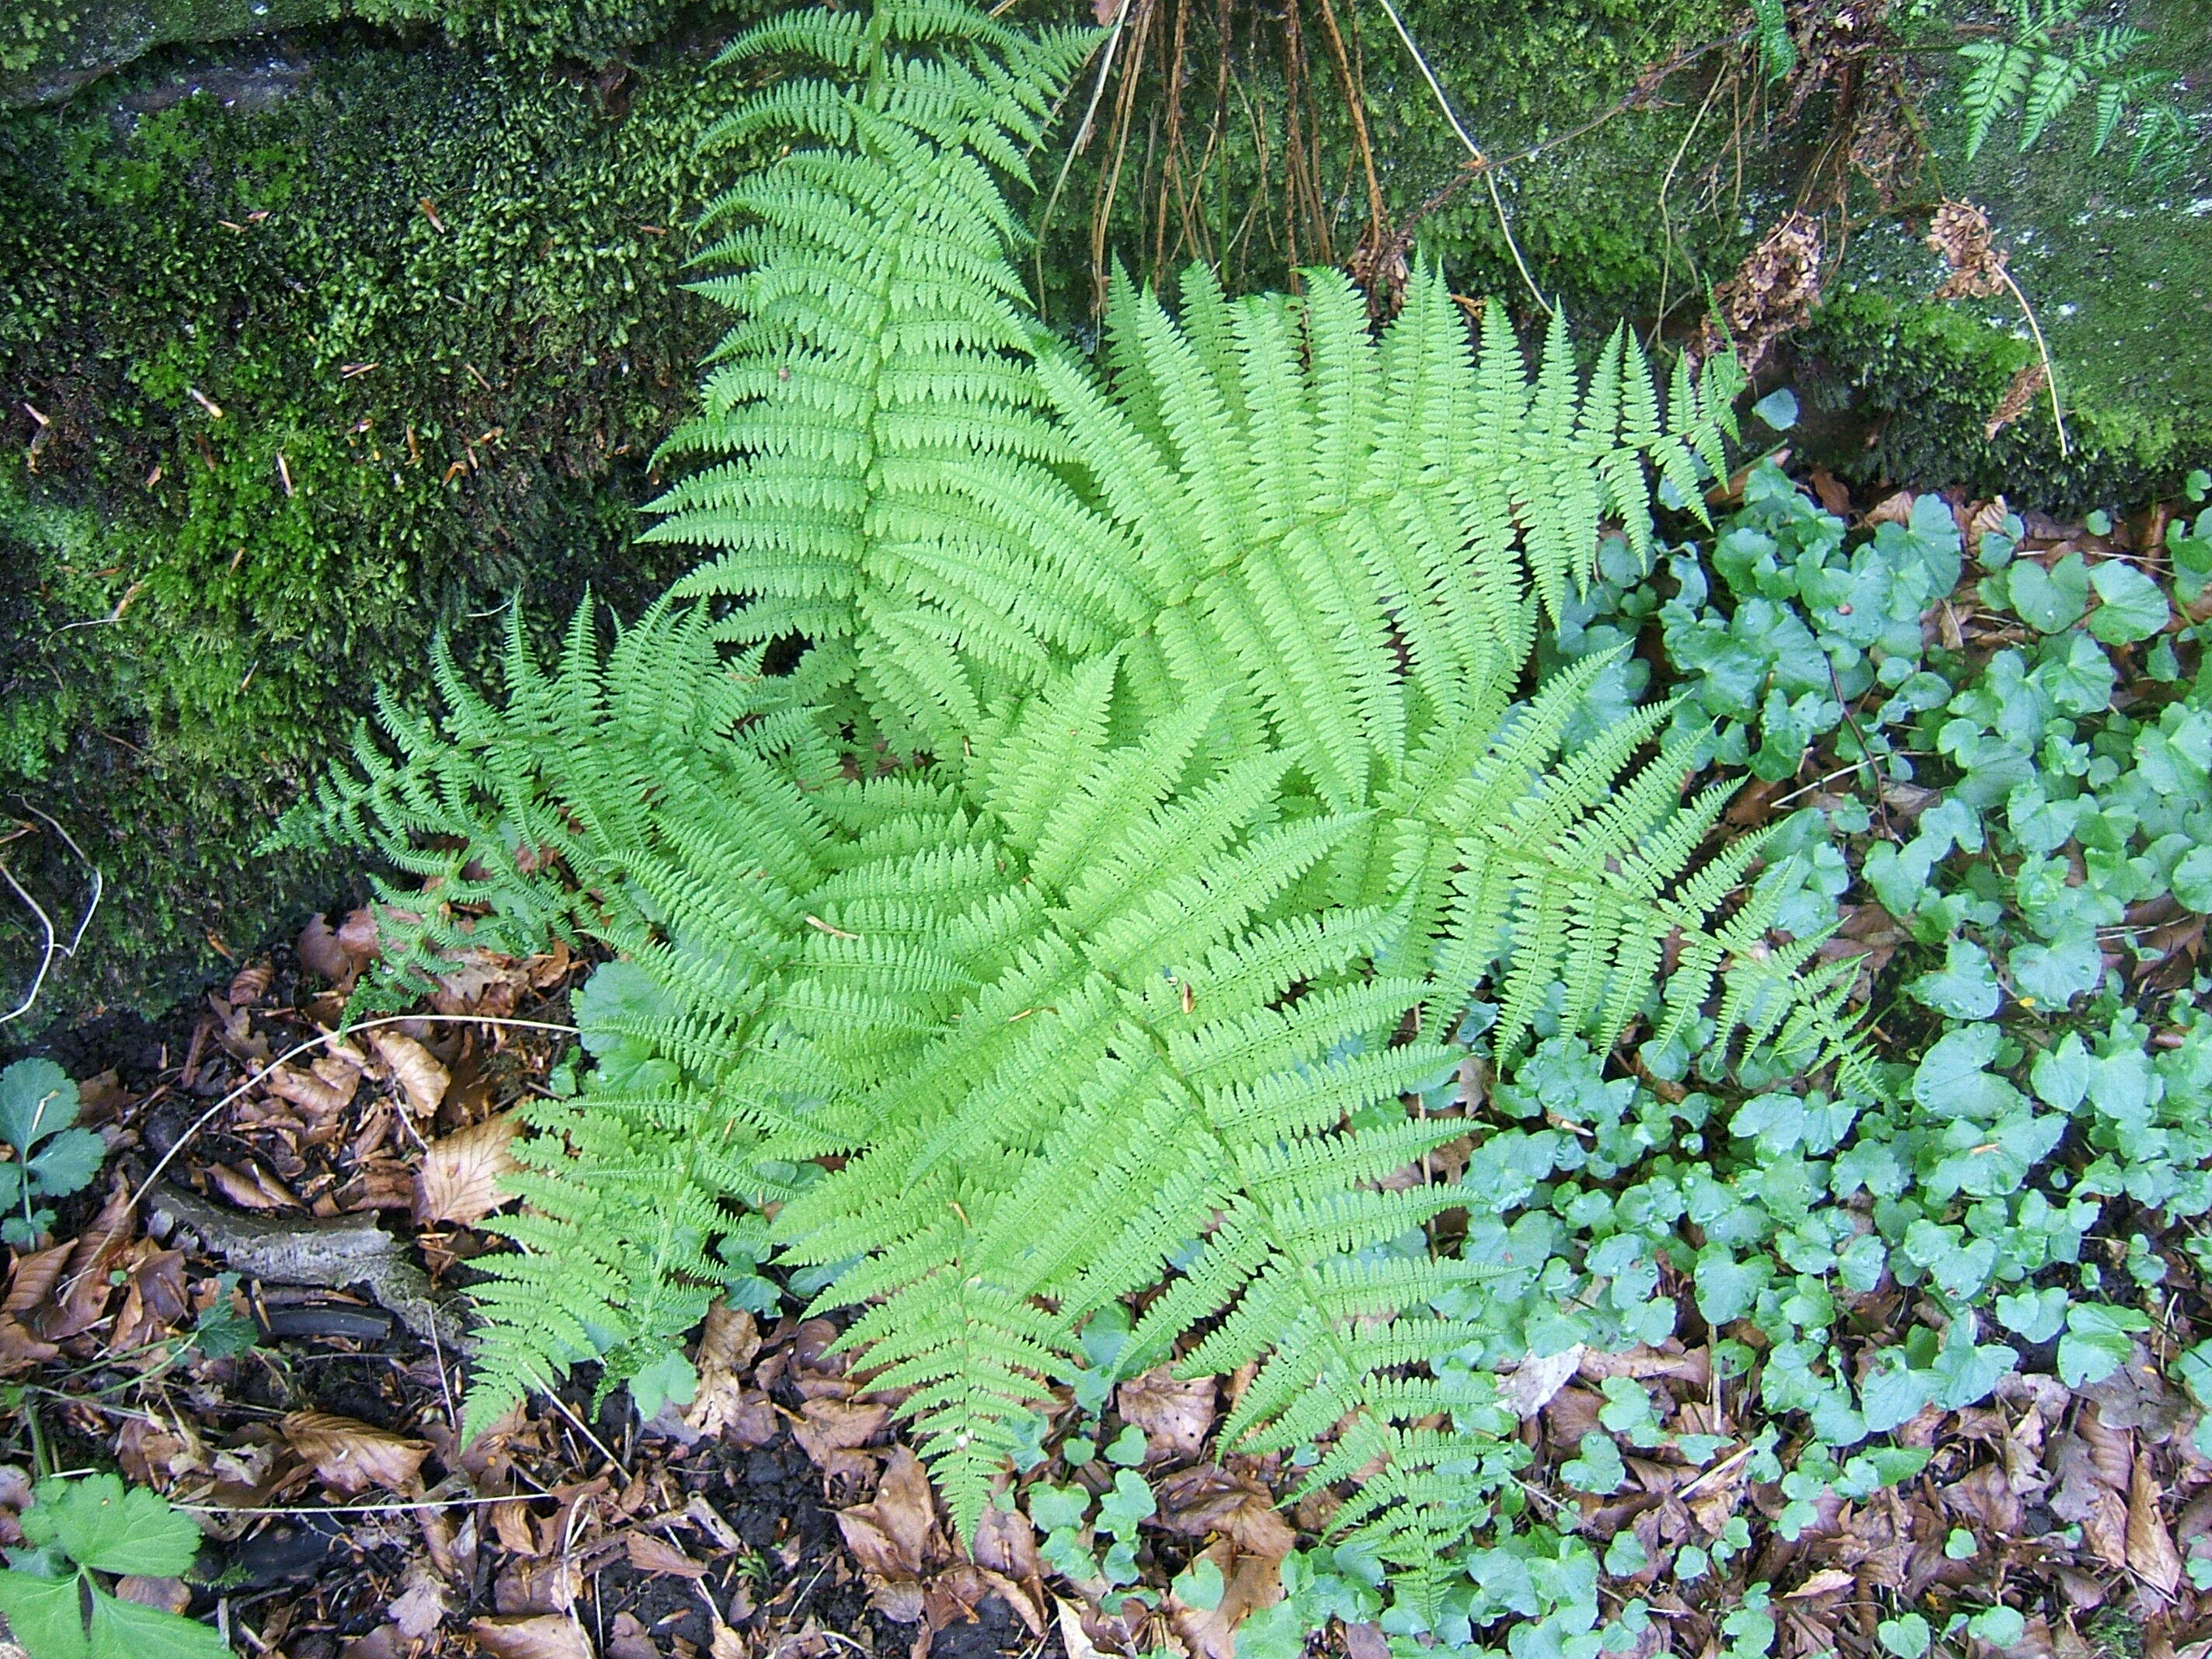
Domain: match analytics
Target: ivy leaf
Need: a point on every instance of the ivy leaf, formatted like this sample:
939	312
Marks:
2033	1316
670	1377
97	1523
1778	408
2097	1343
1599	1470
44	1615
2050	601
1892	1393
1725	1285
1966	987
123	1629
1952	1079
1200	1585
36	1100
2192	880
2131	607
1907	1636
2052	975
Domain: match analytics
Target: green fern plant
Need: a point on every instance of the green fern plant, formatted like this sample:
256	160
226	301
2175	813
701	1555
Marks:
1221	795
2050	63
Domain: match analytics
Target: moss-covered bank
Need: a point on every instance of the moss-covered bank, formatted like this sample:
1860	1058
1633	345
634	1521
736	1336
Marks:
308	353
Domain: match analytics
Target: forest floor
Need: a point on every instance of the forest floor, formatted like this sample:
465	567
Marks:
313	1429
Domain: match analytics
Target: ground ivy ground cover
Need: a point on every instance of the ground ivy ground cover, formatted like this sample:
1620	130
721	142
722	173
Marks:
1990	753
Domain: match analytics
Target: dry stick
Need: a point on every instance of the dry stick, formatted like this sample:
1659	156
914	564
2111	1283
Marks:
1075	146
1489	173
1355	104
2049	370
1124	115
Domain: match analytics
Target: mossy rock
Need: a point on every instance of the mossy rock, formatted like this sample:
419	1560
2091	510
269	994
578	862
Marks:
47	52
314	377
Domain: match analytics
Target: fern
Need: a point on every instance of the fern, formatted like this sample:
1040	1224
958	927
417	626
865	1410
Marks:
1222	800
2033	73
883	334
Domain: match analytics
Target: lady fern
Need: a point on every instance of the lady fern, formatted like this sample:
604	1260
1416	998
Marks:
1223	798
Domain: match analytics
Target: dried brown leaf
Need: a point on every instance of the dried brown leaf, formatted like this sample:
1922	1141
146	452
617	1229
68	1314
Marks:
1537	1379
1175	1414
1005	1542
169	1594
418	1071
890	1537
36	1275
422	1604
1073	1636
309	1090
537	1584
548	1636
828	1426
250	1187
651	1553
460	1177
2151	1554
728	1345
352	1457
321	954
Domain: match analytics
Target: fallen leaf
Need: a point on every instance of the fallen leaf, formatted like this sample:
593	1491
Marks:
421	1606
1536	1379
1073	1636
1005	1542
826	1426
460	1174
1894	508
728	1345
1826	1581
351	1457
649	1553
169	1594
528	1585
1175	1414
2151	1554
628	1639
1248	1581
36	1275
889	1537
549	1636
420	1077
310	1091
1209	1499
250	1187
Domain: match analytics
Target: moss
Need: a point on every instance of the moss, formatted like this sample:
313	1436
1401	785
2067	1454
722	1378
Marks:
48	52
433	295
1917	382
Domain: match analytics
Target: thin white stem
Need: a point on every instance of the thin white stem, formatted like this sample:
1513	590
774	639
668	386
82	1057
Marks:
1489	173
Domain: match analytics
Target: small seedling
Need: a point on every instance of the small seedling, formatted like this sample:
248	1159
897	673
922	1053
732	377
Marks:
75	1533
37	1110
